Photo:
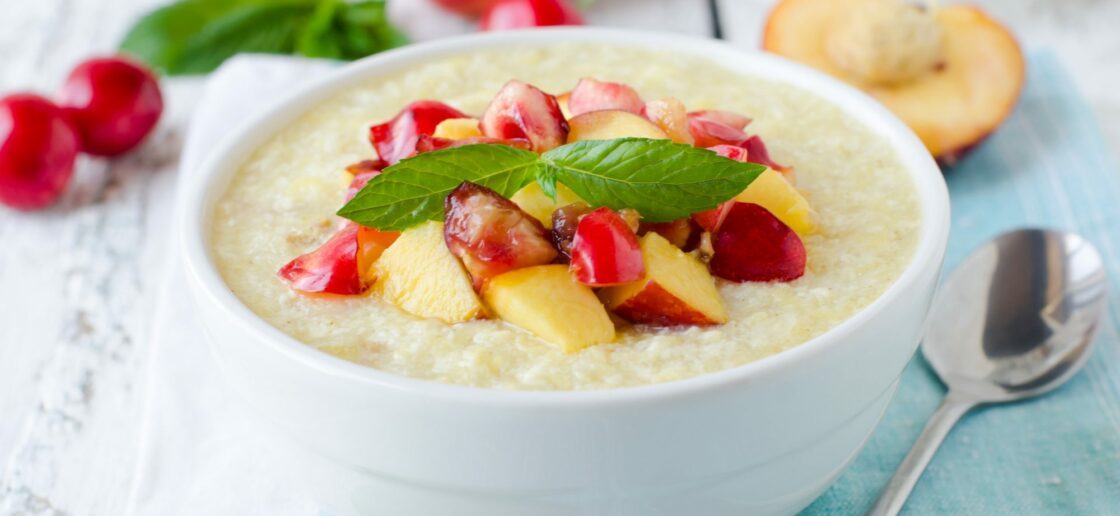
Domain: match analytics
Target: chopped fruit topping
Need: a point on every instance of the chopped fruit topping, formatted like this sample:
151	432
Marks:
772	191
757	153
491	235
670	115
371	244
420	276
734	152
710	128
523	14
534	201
114	103
562	101
953	84
457	129
677	289
631	217
429	143
396	139
330	269
521	111
565	220
546	301
592	95
753	245
605	250
465	7
681	232
608	125
363	171
38	145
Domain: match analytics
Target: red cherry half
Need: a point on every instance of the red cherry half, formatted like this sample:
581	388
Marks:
605	250
523	14
38	145
396	139
330	269
114	103
753	245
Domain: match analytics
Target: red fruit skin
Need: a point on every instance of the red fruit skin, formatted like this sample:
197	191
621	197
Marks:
465	7
396	139
711	128
430	143
38	145
605	250
753	245
592	95
520	111
524	14
757	153
330	269
113	102
491	235
363	171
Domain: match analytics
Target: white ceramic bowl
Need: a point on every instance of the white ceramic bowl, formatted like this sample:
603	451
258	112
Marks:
764	438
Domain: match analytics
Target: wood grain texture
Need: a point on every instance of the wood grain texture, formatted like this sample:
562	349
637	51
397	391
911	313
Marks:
76	280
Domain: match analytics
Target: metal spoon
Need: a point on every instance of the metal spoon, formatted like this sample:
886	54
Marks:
1015	320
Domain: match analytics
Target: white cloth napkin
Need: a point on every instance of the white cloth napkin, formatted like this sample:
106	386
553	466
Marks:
199	453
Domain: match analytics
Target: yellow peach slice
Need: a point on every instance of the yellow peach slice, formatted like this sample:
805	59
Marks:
533	201
458	129
773	191
420	276
548	302
611	124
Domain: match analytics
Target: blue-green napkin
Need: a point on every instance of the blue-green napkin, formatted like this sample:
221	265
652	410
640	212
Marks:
1047	166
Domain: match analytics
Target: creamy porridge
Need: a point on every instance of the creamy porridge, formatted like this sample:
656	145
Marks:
282	202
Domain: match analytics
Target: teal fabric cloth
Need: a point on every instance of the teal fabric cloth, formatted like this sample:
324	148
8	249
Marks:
1047	166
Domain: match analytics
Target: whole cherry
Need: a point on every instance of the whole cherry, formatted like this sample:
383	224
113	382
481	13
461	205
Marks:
114	103
521	14
38	145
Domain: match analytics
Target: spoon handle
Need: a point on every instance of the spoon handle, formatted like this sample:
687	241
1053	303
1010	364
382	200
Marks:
894	496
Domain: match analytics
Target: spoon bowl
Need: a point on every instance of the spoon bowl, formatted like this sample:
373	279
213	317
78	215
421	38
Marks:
1015	320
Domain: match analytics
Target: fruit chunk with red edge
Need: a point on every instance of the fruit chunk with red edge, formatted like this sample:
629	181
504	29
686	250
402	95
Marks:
594	95
491	235
419	275
710	220
681	232
371	244
363	171
521	111
113	102
677	289
330	269
38	145
605	250
753	245
565	221
773	191
523	14
429	143
612	124
396	139
547	302
712	127
757	153
670	116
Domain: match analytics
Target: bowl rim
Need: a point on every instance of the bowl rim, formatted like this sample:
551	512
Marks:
196	207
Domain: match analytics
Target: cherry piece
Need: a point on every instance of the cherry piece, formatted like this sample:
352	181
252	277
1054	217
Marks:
330	269
592	95
605	250
113	102
523	14
38	145
753	245
396	139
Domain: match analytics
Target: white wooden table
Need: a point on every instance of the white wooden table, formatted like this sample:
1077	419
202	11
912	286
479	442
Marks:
76	281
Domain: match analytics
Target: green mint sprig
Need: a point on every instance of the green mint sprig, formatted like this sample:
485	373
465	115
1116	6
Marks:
195	36
663	180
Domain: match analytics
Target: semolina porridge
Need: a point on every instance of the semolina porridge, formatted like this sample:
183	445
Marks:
282	203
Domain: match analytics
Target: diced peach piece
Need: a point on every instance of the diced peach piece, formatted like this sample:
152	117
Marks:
608	125
534	201
419	275
371	244
772	191
594	95
677	289
670	116
562	101
521	111
457	129
547	302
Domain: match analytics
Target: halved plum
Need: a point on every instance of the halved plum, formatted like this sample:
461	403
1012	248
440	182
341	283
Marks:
521	111
753	245
594	95
396	139
491	234
330	269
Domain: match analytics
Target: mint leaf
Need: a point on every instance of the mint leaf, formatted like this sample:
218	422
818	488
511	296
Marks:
663	180
348	30
413	190
266	28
